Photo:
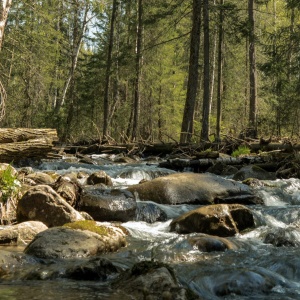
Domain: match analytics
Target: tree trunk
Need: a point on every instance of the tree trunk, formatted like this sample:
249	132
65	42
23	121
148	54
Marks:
252	66
76	44
138	67
4	9
205	111
187	126
220	72
108	67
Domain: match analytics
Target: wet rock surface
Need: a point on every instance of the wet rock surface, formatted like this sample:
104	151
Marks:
108	204
42	203
63	242
194	188
219	219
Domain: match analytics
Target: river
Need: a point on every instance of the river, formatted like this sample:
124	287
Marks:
256	270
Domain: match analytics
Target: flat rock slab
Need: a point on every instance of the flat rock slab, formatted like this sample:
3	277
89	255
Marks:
192	188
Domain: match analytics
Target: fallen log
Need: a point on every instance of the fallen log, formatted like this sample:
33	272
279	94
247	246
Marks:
21	143
12	135
12	152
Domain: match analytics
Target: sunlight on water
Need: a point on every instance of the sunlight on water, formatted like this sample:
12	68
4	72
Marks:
143	230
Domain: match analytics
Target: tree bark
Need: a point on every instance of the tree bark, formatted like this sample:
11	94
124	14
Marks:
220	72
138	67
252	66
20	143
108	67
205	111
187	126
4	9
11	135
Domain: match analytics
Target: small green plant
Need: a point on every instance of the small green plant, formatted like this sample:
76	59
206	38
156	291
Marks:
9	184
241	150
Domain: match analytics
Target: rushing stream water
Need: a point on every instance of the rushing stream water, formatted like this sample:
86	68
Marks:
247	273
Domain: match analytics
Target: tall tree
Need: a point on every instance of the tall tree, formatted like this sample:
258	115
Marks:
206	79
220	71
187	126
252	67
138	71
108	67
4	9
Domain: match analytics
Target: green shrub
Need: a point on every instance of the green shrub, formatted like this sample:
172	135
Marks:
241	150
9	184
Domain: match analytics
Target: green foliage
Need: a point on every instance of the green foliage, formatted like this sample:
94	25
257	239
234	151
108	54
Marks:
9	184
242	150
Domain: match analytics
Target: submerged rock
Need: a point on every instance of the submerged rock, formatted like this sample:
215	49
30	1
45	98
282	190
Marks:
64	242
192	188
42	203
21	233
219	219
253	171
283	237
108	204
151	280
150	213
210	243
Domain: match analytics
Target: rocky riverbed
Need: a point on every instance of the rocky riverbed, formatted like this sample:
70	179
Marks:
138	231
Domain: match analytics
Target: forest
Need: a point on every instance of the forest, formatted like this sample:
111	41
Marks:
151	70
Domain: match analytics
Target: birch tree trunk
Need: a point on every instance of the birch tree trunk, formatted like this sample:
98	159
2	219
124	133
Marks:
4	9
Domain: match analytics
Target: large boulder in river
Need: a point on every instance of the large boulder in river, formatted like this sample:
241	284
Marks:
42	203
219	219
21	233
108	204
194	188
65	242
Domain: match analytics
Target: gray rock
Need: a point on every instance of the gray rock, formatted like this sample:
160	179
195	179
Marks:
21	233
219	219
253	171
63	242
209	243
192	188
108	204
42	203
152	280
150	213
